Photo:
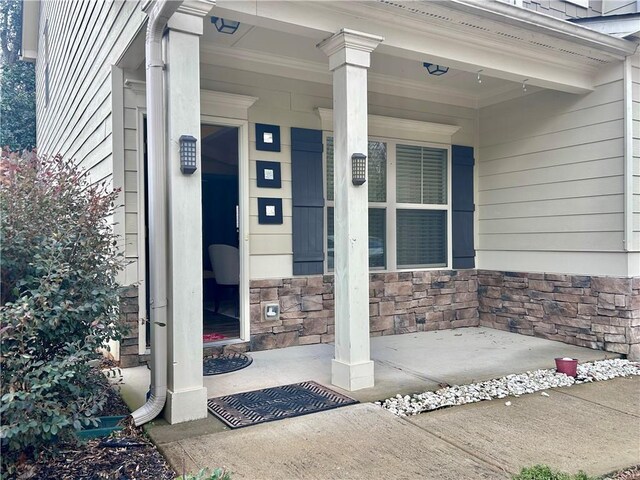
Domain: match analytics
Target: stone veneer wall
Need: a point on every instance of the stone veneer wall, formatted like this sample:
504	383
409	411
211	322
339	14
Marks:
596	312
129	314
399	303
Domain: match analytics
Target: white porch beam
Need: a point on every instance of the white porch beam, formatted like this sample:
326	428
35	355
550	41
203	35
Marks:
349	57
186	395
416	38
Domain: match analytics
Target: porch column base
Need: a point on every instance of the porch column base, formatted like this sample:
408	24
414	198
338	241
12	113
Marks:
186	405
352	377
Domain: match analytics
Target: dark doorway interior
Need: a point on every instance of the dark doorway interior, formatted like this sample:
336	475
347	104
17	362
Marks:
220	230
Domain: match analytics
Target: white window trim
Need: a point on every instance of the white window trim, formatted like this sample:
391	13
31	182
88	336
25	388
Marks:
398	128
391	205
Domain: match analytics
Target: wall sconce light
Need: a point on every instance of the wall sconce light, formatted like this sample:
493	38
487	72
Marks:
187	154
434	69
224	25
358	168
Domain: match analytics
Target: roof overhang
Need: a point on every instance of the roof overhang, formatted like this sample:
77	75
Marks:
547	25
620	26
501	40
30	25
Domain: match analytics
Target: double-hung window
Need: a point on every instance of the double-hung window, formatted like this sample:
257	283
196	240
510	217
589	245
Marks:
409	200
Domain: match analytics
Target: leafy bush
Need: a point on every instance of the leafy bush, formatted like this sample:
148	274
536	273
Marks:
59	298
544	472
206	474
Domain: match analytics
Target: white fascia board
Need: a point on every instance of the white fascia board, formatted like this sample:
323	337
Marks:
412	38
30	30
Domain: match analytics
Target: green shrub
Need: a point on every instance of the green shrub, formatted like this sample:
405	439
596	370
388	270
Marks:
206	474
544	472
59	297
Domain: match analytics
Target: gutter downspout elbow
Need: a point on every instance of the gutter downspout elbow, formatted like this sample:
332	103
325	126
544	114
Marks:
159	13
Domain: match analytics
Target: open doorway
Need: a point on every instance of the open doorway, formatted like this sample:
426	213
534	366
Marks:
220	233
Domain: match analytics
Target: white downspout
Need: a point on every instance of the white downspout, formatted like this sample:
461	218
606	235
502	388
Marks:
159	13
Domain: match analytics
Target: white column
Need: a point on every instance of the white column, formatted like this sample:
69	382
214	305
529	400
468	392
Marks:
186	396
349	57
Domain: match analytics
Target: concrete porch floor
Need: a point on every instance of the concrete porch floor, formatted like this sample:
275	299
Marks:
485	440
409	363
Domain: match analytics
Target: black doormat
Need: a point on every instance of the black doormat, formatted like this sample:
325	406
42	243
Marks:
269	404
228	362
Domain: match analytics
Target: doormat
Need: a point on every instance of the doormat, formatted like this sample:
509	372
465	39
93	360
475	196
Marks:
269	404
212	337
225	363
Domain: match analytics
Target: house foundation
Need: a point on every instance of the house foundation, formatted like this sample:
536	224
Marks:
130	316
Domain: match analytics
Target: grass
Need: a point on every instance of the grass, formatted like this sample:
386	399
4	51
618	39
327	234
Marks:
544	472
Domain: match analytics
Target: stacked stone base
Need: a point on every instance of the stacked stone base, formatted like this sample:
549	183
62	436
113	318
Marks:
130	315
595	312
398	303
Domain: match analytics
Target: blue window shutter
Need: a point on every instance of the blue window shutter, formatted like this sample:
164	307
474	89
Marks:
308	201
462	206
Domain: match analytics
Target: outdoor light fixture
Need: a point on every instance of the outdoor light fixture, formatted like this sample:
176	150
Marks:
434	69
358	168
224	25
187	154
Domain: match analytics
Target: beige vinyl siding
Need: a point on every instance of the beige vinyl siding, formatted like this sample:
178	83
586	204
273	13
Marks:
292	103
619	7
134	105
635	95
287	103
85	39
550	179
565	9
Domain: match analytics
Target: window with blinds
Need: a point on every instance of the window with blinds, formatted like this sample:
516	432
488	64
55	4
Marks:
376	170
421	175
377	238
408	226
421	238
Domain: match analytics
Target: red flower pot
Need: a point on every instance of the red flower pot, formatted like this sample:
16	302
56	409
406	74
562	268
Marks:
568	366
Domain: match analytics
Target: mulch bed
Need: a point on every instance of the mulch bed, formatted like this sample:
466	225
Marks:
125	455
632	473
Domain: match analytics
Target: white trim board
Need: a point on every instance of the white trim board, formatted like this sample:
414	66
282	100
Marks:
398	128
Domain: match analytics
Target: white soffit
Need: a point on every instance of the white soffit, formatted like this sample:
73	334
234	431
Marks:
400	128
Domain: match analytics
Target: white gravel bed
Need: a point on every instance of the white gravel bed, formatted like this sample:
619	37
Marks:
510	385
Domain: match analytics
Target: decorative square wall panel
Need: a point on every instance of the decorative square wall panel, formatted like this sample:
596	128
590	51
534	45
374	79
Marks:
270	211
268	174
267	137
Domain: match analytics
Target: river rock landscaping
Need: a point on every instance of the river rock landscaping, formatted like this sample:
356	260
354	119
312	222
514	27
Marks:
510	385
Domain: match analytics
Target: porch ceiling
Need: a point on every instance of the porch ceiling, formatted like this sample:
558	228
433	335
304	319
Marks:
278	53
505	42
